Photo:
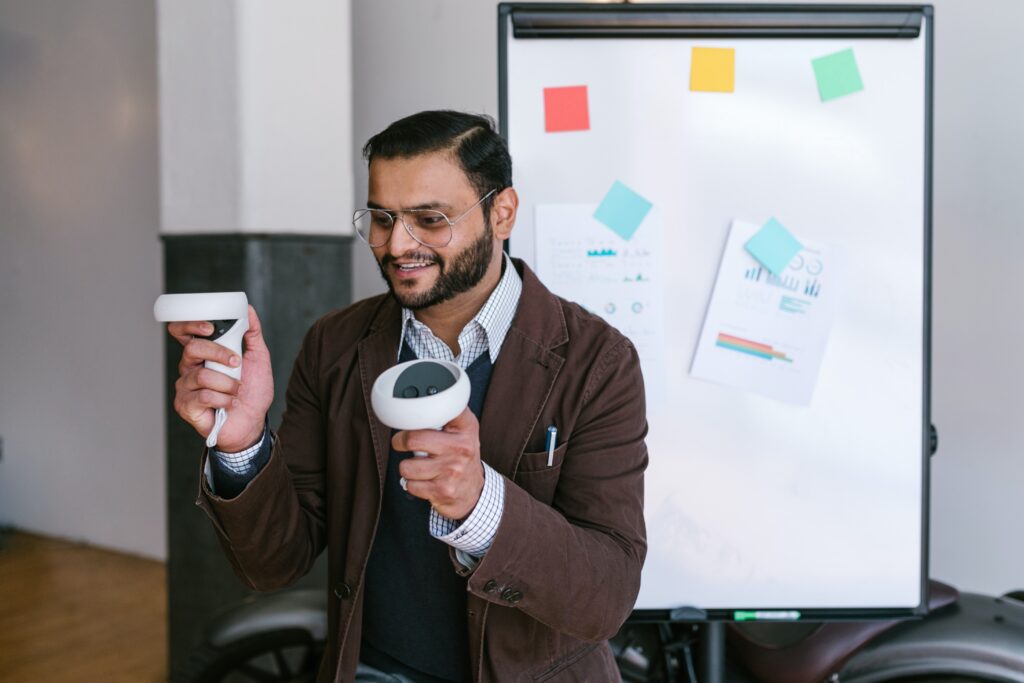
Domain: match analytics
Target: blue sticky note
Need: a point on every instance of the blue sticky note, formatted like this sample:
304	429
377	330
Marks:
774	246
622	210
837	75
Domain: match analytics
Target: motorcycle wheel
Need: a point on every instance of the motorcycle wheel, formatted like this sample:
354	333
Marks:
952	678
945	679
285	656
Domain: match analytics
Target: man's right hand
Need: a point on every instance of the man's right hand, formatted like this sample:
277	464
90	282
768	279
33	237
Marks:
199	391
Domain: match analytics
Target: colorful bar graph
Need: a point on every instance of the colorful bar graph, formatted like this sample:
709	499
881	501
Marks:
753	348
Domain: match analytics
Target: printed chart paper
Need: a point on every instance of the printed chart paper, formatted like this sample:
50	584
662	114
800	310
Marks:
767	333
583	260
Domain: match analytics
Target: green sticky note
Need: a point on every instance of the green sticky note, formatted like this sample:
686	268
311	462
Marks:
774	246
837	75
622	210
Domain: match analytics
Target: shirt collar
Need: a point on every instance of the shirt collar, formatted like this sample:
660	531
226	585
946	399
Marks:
495	316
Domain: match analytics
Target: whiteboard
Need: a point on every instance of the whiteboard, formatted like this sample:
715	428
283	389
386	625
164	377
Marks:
750	501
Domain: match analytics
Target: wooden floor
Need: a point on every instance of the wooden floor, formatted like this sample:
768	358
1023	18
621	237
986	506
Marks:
70	612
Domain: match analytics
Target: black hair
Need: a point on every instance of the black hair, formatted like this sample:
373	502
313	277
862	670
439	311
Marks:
473	140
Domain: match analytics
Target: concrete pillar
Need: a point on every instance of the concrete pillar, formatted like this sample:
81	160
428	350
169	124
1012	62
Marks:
257	181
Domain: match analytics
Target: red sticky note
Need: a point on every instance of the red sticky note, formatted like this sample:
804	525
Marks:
566	109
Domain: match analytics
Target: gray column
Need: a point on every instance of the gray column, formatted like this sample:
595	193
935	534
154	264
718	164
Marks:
291	280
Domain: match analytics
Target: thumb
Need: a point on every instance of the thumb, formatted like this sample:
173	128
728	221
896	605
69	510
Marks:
254	335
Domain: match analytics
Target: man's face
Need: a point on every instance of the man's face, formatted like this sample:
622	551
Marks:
419	276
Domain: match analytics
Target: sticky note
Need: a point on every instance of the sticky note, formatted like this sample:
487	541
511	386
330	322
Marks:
712	69
566	109
774	246
622	210
837	75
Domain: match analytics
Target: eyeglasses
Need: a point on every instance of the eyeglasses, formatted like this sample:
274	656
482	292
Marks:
428	227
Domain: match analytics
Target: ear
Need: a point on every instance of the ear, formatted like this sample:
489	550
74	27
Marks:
503	212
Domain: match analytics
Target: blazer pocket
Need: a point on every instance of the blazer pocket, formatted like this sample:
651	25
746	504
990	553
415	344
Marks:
535	476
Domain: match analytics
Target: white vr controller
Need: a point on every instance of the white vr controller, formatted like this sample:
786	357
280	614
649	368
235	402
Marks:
228	312
420	394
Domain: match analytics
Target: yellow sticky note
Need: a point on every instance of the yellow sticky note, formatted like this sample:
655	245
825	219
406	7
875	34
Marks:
713	69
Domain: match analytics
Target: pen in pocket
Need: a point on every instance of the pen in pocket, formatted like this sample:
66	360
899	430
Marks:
552	436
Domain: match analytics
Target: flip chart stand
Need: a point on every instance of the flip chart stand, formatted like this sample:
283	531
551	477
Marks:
677	650
712	668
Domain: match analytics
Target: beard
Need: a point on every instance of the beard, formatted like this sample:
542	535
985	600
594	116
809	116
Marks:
459	274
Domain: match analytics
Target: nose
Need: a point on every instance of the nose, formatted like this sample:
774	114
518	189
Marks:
401	241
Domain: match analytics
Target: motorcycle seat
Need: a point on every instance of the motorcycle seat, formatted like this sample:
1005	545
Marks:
812	652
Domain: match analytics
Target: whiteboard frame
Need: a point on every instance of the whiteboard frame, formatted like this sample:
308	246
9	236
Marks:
836	21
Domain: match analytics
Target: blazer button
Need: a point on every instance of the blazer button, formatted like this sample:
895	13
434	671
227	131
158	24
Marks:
342	591
515	597
490	586
507	594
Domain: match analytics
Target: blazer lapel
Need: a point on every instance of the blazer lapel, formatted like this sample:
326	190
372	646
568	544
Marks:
378	351
521	382
523	376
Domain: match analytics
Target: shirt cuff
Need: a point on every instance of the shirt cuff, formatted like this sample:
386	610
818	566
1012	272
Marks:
474	536
242	462
227	474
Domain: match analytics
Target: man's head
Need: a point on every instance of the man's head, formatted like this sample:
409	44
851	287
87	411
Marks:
453	163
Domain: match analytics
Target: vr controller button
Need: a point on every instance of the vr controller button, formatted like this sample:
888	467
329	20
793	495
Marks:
220	328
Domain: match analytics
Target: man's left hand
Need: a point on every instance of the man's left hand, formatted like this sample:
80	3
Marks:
451	477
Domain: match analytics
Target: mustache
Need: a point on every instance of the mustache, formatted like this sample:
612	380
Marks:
388	259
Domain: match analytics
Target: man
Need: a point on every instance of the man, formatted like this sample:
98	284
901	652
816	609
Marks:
504	559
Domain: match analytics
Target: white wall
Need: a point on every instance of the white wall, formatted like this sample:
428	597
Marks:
978	370
200	157
977	508
81	410
256	116
296	114
441	54
255	122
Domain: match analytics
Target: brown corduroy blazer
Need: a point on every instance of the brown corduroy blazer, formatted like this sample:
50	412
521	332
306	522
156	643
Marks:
563	571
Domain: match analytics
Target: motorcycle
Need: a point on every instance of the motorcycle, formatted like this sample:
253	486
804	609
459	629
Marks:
965	638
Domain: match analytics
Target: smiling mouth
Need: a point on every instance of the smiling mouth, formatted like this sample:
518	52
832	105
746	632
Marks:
408	271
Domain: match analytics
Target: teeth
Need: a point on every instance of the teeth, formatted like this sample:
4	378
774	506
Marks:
411	266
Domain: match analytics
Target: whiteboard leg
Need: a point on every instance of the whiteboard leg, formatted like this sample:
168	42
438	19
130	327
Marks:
713	651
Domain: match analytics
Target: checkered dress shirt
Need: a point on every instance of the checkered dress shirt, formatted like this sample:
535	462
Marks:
485	332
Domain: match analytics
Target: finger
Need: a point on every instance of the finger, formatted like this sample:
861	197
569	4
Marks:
464	422
438	492
465	444
205	378
424	440
183	331
421	469
198	351
398	441
207	398
420	489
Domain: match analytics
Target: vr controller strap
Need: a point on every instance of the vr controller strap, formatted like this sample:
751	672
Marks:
219	419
